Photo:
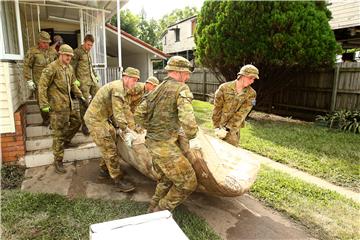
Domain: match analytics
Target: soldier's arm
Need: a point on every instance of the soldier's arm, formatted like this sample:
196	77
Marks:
141	113
118	102
44	83
218	105
74	88
186	112
239	117
28	64
129	115
75	61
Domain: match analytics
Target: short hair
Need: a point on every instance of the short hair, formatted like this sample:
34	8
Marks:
89	37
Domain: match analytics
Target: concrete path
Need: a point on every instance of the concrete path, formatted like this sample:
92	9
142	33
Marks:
232	218
306	177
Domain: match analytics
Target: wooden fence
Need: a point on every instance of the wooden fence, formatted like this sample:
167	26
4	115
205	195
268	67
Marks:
308	94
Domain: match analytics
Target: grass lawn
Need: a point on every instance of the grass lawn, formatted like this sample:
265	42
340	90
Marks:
329	154
326	214
50	216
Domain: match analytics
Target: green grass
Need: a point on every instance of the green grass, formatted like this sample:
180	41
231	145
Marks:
50	216
326	214
328	154
11	176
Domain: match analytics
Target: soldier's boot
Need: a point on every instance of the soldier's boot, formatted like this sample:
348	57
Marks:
85	130
103	174
151	207
45	123
123	185
158	209
70	145
59	167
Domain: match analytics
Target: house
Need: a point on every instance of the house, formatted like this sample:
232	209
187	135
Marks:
178	39
21	136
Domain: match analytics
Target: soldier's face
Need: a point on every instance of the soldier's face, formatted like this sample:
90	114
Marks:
43	45
129	82
149	87
247	81
88	45
65	59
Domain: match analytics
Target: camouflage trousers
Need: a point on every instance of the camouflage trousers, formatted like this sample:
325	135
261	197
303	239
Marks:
45	116
87	91
176	176
233	137
64	126
104	135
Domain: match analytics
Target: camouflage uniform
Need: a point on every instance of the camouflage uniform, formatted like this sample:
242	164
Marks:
55	87
85	73
136	95
162	113
35	61
109	109
231	109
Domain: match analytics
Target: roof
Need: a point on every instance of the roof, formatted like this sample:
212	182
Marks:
183	20
137	41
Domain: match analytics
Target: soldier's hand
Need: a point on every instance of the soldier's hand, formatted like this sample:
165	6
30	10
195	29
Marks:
46	109
220	133
77	83
195	143
31	85
97	79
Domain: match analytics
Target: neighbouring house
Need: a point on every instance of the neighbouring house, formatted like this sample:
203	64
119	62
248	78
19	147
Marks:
22	139
178	39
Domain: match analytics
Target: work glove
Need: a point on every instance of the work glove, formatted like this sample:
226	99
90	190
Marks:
31	85
195	143
84	102
220	133
138	129
129	137
97	79
77	83
46	109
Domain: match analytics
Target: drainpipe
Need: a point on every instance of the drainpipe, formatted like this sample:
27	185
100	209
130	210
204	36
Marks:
119	37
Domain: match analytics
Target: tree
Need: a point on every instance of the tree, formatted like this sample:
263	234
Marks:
129	22
278	37
148	30
175	16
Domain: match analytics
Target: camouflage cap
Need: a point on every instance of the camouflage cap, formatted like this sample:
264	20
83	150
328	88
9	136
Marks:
178	63
44	37
132	72
153	80
66	49
249	71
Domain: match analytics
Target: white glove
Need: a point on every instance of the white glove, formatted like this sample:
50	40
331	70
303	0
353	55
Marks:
195	143
220	132
129	137
31	85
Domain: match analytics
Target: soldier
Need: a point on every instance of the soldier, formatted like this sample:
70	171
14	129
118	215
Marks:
85	73
58	41
109	110
163	112
36	59
56	84
233	101
140	90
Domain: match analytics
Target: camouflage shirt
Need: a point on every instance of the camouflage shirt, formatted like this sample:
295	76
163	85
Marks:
82	64
136	95
111	103
55	85
166	109
230	107
35	61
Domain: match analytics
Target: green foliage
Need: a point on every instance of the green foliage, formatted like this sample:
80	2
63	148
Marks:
328	214
175	16
129	22
51	216
148	30
276	36
348	121
11	176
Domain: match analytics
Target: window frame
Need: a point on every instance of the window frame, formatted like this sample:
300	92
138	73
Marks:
177	34
7	56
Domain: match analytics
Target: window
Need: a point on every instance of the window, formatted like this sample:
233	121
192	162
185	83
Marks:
193	26
177	35
11	46
165	40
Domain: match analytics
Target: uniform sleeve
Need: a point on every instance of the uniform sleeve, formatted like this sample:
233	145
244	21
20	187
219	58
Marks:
45	81
74	89
75	61
239	117
28	64
141	113
218	106
186	113
118	105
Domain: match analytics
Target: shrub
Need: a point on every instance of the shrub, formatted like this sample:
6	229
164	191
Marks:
344	119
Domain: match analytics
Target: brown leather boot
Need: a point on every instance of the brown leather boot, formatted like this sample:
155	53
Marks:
122	185
59	167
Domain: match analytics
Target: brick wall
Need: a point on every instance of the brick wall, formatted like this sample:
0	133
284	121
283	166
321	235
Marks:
13	144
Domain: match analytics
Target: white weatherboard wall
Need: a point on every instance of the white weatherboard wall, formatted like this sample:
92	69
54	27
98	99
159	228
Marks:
186	38
13	94
140	61
344	14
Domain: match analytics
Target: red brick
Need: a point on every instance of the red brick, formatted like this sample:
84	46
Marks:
17	116
10	159
8	139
